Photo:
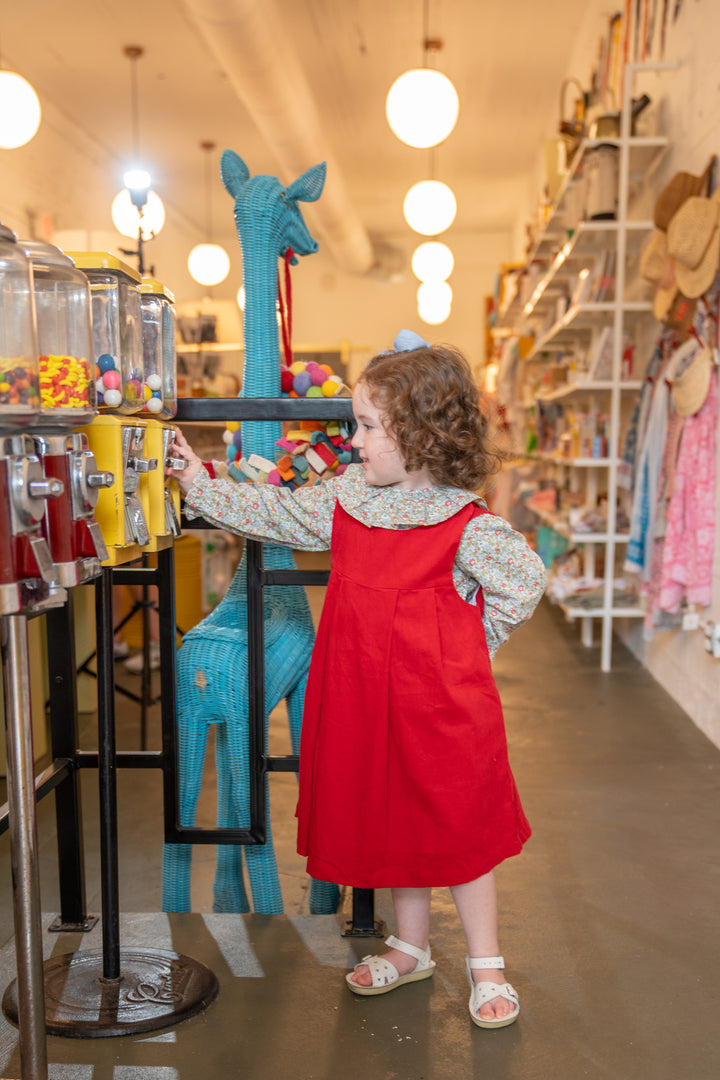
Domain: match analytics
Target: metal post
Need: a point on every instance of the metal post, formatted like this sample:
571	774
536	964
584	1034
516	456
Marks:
23	848
107	776
64	741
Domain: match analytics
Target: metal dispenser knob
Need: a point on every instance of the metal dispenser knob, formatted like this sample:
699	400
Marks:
142	465
176	463
100	479
45	489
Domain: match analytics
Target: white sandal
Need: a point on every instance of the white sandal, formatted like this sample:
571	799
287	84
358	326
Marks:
385	976
482	992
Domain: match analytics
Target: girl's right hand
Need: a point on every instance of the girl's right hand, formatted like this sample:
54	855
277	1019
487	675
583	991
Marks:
181	448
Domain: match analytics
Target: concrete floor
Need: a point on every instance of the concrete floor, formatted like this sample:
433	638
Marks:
609	918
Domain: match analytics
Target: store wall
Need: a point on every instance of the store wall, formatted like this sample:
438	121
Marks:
686	107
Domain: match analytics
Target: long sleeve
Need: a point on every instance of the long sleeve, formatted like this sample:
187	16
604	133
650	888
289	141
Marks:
300	519
512	577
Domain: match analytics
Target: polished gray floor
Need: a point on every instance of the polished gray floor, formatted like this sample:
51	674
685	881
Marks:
609	918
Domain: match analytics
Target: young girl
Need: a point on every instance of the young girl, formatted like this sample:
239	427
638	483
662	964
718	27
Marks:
404	776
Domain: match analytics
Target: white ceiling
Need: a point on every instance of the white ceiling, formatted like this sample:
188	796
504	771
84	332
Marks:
507	59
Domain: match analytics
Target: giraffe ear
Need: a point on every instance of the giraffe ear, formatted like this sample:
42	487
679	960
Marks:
233	171
308	187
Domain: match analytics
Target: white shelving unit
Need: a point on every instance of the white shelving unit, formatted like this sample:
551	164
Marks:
563	248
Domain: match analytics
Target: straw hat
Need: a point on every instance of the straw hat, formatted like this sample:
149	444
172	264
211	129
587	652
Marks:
682	187
694	243
681	316
689	390
653	258
666	290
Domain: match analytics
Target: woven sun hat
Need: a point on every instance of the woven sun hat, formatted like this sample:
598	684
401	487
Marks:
694	243
681	316
682	187
690	389
666	290
654	257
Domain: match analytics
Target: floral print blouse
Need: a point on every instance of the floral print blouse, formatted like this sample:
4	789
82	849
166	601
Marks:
491	554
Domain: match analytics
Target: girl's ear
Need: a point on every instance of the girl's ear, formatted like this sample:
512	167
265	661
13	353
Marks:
308	187
234	172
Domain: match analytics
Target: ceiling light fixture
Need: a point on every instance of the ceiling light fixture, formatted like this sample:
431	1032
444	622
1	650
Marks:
434	300
136	210
422	104
430	207
20	111
432	261
208	263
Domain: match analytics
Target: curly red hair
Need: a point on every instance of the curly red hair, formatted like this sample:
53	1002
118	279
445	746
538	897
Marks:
434	411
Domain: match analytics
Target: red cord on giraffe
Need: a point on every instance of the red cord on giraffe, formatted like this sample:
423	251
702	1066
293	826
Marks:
286	309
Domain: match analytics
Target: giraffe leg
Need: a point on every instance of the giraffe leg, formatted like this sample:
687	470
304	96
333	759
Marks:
176	860
259	858
229	893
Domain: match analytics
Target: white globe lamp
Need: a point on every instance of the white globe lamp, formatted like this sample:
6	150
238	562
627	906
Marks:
208	264
20	111
432	261
422	107
129	221
429	207
434	301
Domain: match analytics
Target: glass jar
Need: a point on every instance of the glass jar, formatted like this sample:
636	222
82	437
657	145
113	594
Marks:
159	362
19	382
64	337
117	329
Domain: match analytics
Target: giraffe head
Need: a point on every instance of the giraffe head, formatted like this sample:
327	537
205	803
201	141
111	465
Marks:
268	213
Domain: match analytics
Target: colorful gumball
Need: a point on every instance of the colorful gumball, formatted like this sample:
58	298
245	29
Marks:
112	398
227	437
111	380
154	381
154	404
106	363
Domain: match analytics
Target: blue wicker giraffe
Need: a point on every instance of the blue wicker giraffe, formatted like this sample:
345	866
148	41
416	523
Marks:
212	667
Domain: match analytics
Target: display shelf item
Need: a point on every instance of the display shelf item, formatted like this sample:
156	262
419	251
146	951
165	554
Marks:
64	338
117	330
19	368
158	396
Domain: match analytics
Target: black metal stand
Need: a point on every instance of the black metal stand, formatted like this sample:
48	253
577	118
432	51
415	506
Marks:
115	992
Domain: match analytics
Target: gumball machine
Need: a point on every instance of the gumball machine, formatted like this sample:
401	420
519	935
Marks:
116	437
67	401
27	573
160	498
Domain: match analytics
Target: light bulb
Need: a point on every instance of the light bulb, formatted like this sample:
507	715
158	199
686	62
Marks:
128	220
137	179
434	302
422	107
432	261
208	264
429	207
241	298
20	111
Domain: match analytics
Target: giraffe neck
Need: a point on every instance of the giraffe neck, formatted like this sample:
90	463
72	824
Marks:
261	369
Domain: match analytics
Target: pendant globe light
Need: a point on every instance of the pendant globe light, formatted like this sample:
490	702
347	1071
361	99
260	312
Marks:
434	300
208	263
422	104
20	111
430	207
432	261
136	210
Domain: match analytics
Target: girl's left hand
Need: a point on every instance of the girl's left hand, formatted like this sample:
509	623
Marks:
181	448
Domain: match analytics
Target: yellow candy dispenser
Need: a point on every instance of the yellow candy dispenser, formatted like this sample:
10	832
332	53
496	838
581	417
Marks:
159	392
160	499
119	447
117	329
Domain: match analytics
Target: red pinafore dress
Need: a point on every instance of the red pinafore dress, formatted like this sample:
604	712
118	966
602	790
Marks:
404	774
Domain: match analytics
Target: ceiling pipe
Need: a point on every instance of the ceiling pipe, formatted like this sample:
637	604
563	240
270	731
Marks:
249	40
